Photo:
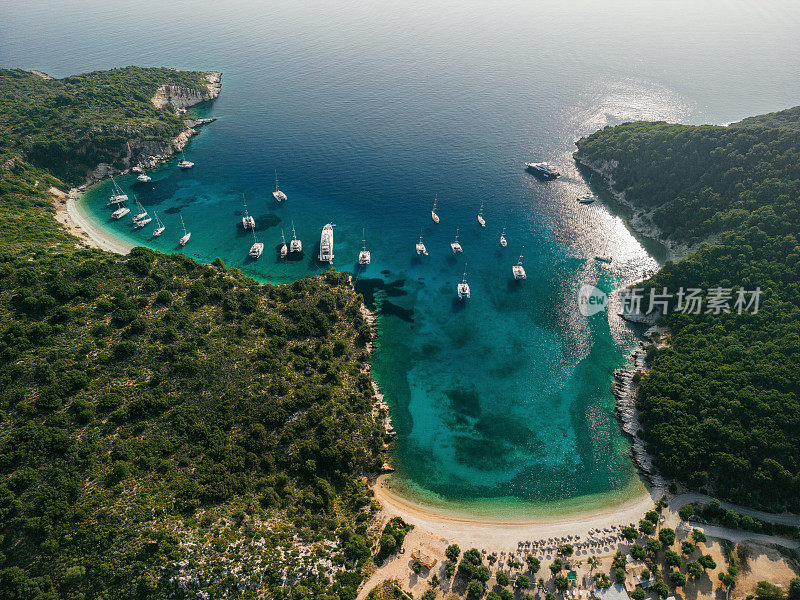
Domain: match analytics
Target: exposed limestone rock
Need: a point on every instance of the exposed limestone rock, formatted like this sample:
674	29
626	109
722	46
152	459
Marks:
178	97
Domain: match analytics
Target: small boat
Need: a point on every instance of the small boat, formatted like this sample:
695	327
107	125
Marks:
144	178
186	235
463	288
142	222
456	246
142	214
481	220
604	257
587	199
185	164
542	170
120	212
160	229
257	248
518	270
295	245
421	249
326	244
277	194
248	222
364	256
434	216
117	196
503	241
284	247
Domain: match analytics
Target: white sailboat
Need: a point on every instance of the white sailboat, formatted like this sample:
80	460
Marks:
364	257
481	220
142	222
185	164
257	248
186	235
503	241
463	287
142	214
421	249
518	270
144	178
604	257
248	222
284	247
160	229
295	245
120	212
277	194
456	246
434	216
326	244
117	195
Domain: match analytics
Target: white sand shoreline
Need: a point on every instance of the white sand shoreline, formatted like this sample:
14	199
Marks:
78	223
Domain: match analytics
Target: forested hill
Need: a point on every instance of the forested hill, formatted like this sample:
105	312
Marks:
721	406
169	429
68	126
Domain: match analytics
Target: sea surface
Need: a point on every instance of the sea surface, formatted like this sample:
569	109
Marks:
367	111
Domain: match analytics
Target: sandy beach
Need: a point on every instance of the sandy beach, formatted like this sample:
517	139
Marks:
69	216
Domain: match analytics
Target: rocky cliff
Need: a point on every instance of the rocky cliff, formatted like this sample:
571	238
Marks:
179	97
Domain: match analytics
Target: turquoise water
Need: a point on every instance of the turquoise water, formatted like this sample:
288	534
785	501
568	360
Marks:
367	111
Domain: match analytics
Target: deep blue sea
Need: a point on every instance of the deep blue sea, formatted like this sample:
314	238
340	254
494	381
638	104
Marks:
367	110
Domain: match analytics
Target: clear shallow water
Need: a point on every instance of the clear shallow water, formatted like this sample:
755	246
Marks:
367	111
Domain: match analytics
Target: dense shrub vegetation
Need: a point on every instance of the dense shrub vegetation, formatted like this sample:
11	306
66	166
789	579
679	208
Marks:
168	427
721	405
68	126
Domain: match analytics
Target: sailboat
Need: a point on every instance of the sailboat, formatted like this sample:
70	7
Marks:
248	222
142	214
421	249
481	220
257	248
295	245
463	287
364	256
587	199
456	246
160	229
144	178
117	195
284	247
518	270
434	216
503	241
277	194
604	258
186	235
326	244
120	212
185	164
139	223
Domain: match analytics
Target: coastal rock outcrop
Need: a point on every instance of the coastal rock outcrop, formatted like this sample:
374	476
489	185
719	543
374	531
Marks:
178	97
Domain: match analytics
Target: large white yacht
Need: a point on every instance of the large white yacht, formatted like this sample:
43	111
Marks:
185	164
456	246
117	195
144	178
295	245
326	244
542	169
421	249
257	248
518	270
248	222
277	194
364	257
463	288
120	212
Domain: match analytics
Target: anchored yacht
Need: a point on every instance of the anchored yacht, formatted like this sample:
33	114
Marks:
160	229
481	220
364	256
503	241
142	214
117	196
326	244
284	247
542	169
144	178
434	216
463	288
295	245
186	235
185	164
120	212
456	246
421	249
587	199
248	222
518	270
277	194
139	223
257	248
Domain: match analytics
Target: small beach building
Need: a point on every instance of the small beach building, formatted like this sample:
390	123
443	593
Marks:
615	592
426	560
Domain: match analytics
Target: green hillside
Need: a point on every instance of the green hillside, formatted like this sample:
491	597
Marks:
721	406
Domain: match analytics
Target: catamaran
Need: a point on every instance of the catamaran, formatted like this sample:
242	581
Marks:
160	229
518	270
587	199
463	288
257	248
481	220
185	164
186	235
326	244
284	247
142	214
364	256
434	216
117	195
295	245
456	246
421	249
248	222
604	257
277	194
503	241
542	170
144	178
120	212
